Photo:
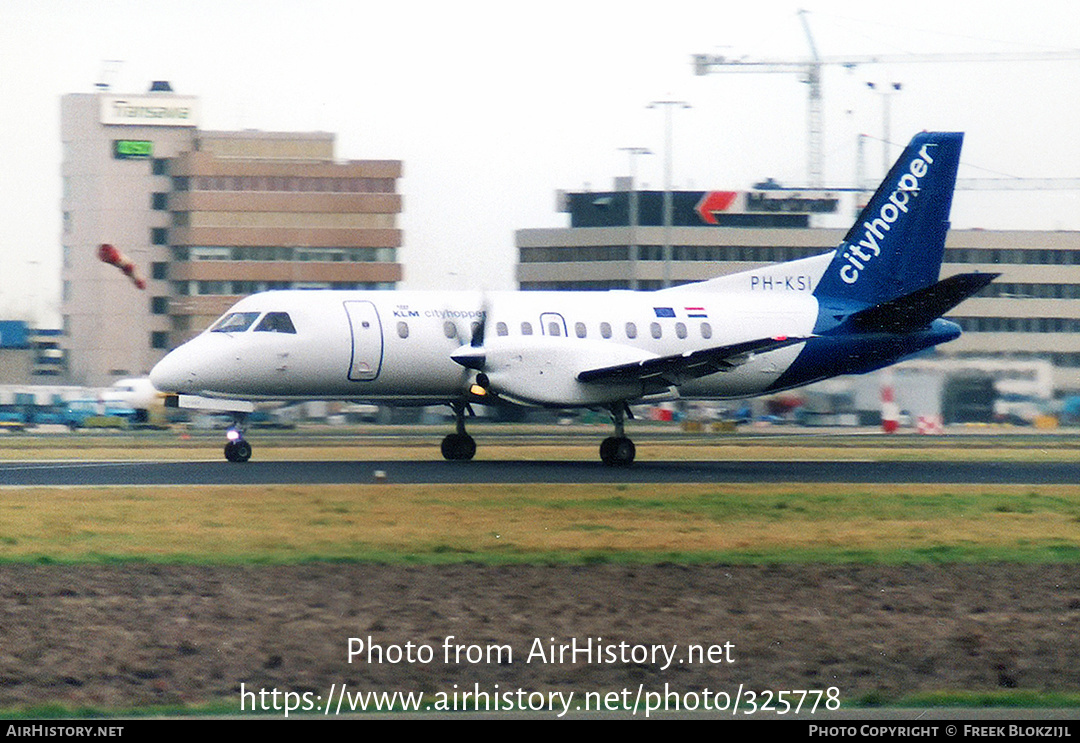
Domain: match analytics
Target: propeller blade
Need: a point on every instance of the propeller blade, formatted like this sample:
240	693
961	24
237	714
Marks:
481	328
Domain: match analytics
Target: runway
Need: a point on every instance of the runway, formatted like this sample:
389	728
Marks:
98	473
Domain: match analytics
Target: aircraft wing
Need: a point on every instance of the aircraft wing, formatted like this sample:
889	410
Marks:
664	371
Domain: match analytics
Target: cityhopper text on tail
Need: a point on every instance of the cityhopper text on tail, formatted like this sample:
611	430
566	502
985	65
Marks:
872	301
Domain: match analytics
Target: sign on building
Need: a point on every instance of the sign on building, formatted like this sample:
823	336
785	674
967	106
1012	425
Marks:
149	110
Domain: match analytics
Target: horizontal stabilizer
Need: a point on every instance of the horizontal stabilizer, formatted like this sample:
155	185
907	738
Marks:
664	371
919	308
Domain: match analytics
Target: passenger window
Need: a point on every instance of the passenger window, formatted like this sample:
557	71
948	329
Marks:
605	329
501	329
449	329
680	329
656	330
706	330
631	330
234	322
526	328
403	329
276	322
554	329
579	329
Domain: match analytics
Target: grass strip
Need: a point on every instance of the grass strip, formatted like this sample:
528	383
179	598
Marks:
541	523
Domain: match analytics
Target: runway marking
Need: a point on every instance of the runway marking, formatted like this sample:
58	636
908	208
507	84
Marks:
40	463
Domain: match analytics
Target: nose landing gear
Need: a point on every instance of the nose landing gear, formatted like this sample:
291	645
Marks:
237	449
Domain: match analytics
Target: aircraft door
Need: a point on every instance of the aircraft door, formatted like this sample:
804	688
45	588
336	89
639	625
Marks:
552	324
367	340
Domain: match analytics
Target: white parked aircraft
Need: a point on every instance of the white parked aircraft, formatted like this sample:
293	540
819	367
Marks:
136	393
869	303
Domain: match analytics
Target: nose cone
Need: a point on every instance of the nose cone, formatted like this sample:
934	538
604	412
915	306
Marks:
175	373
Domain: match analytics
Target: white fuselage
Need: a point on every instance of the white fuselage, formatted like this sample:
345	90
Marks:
397	346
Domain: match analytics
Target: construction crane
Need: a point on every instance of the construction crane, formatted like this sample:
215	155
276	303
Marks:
811	70
1018	184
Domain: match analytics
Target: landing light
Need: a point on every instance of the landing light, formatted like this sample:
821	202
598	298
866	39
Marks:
477	390
232	435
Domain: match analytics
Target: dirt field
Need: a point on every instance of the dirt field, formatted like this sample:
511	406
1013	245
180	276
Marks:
115	637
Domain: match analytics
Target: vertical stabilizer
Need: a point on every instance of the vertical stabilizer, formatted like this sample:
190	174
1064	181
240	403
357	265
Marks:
897	243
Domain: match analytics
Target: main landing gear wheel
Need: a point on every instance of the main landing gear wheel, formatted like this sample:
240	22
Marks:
238	451
458	447
617	451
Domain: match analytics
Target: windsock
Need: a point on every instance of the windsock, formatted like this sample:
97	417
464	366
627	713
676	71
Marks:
890	411
109	254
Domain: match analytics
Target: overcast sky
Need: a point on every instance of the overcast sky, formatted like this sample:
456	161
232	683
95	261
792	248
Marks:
494	106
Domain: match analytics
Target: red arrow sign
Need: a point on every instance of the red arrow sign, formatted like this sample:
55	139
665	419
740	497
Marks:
712	202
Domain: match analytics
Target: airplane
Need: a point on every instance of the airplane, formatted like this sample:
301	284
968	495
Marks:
136	393
869	303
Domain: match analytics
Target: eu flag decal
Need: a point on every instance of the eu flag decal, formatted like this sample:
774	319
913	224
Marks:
664	311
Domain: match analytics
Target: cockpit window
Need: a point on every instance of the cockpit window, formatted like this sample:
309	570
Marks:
234	322
276	322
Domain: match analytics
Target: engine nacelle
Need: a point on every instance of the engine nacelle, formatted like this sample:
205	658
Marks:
543	371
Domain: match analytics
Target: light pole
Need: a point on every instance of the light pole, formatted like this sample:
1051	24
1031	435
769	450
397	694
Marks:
667	106
886	92
631	243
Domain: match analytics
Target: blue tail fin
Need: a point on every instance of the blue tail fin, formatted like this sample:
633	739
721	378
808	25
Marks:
896	245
